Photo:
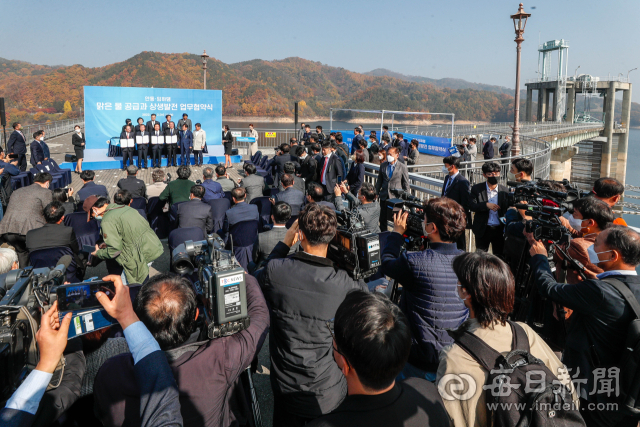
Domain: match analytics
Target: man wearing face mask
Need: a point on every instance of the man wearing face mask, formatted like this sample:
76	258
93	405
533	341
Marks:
392	175
489	201
456	187
600	319
427	276
590	217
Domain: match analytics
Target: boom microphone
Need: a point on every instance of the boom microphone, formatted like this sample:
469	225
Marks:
61	268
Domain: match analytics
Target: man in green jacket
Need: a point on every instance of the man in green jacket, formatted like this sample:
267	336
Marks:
128	240
180	189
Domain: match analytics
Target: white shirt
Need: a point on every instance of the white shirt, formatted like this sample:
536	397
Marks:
492	197
324	181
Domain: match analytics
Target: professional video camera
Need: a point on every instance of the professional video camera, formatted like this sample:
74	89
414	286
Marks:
220	284
354	248
408	203
23	293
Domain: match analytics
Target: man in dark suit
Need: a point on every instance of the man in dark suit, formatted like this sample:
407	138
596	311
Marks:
171	142
330	168
489	201
151	124
195	213
355	144
308	165
45	147
241	211
127	144
18	145
132	184
166	124
55	234
505	148
456	187
295	198
37	154
290	168
185	120
157	144
280	215
279	161
90	188
487	149
392	175
142	140
186	145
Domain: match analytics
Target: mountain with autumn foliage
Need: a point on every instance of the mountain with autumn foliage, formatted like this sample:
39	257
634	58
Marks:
257	88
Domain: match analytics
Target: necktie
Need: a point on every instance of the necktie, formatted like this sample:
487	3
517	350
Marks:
390	171
326	161
446	187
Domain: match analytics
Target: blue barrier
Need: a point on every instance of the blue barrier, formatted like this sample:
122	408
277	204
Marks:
433	145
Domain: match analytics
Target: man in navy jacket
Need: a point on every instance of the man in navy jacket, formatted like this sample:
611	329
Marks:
18	145
457	187
37	154
186	145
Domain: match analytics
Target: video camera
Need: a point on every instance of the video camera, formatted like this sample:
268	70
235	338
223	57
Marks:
354	248
405	202
220	283
24	292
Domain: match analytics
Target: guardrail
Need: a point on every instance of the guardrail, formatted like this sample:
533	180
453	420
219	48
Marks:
51	129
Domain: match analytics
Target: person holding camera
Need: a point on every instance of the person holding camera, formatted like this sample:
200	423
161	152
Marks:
601	316
375	397
368	207
304	291
206	370
489	201
429	297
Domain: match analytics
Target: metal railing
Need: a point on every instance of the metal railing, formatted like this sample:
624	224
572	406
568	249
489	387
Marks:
51	129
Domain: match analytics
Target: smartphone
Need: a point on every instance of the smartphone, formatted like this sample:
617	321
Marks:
88	248
80	296
339	179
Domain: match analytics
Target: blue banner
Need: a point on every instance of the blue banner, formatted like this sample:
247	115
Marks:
106	109
434	145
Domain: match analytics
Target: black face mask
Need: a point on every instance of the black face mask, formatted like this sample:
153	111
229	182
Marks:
492	180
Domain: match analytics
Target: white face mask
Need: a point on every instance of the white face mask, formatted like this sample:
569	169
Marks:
445	170
380	157
390	158
78	130
424	229
575	223
593	255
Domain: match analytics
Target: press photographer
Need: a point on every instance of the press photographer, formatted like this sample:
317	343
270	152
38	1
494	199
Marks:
206	371
427	276
600	320
366	202
303	292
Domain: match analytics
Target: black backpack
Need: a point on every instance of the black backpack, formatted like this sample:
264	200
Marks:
629	398
546	404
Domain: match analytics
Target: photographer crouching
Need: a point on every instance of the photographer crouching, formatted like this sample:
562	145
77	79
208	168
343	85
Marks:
601	316
206	371
427	276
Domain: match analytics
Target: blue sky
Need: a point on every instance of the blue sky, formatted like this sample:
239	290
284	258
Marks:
472	40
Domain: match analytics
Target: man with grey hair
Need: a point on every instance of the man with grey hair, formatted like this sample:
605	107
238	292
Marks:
133	185
8	260
213	189
155	189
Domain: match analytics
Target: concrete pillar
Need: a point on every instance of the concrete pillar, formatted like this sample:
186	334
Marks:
547	101
605	167
556	97
560	163
623	139
542	104
571	104
528	105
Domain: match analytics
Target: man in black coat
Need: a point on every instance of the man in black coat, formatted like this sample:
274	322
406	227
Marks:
195	213
489	201
308	165
127	144
132	184
55	234
294	197
487	149
157	144
18	145
165	125
329	169
305	380
392	175
171	142
142	140
456	187
151	124
279	161
90	188
600	320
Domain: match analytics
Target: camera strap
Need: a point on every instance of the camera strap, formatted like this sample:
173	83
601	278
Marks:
174	354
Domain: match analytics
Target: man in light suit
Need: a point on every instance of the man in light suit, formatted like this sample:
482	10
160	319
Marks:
392	175
195	213
241	211
127	144
298	183
366	202
295	198
185	120
489	202
18	145
186	145
456	187
151	124
253	183
37	154
280	215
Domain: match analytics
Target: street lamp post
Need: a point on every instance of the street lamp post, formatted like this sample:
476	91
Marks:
575	73
519	22
629	72
204	57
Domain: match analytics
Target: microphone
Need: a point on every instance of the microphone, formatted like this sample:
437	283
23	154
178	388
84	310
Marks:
60	269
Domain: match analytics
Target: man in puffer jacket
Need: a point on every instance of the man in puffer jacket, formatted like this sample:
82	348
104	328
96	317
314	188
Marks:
429	286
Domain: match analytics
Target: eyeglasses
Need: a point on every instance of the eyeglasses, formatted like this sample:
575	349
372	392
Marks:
330	325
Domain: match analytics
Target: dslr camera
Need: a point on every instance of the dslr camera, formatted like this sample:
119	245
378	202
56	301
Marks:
405	202
354	248
218	281
23	293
